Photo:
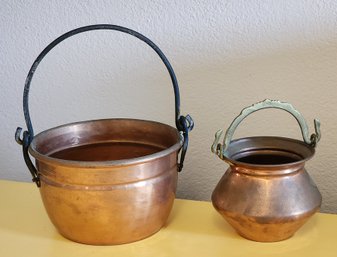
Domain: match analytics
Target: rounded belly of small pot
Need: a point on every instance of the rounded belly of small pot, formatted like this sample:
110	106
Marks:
266	208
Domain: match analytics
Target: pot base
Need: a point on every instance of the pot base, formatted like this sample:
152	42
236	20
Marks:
264	229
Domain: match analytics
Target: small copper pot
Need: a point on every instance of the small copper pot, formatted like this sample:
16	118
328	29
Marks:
266	194
110	181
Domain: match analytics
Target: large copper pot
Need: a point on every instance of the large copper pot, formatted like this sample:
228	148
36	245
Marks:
109	181
266	194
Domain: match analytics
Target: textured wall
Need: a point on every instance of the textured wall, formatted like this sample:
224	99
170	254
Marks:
226	54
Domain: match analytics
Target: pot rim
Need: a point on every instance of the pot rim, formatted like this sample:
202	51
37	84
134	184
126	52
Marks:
284	167
94	164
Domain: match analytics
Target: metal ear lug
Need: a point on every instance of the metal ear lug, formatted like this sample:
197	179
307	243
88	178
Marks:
216	146
17	136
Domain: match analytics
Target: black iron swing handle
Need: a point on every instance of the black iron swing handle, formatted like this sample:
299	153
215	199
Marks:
184	124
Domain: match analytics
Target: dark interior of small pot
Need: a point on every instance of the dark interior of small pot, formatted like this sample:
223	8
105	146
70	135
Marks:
268	151
106	140
269	158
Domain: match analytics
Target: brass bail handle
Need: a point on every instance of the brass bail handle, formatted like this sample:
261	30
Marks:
184	124
312	140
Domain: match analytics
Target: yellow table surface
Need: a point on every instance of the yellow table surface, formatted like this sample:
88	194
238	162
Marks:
193	229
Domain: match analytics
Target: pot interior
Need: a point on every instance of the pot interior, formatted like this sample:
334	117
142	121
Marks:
106	151
106	140
269	158
268	151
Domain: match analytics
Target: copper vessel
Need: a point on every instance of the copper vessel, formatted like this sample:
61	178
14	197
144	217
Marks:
111	181
266	194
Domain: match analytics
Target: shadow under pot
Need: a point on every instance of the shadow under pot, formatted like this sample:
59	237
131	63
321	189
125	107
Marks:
266	194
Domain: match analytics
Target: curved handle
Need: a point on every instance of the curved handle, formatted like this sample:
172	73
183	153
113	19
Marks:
183	124
310	140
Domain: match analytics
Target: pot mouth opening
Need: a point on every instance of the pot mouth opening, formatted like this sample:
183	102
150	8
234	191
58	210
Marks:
268	152
267	157
106	142
106	151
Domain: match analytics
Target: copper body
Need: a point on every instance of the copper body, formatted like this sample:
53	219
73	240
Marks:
266	194
110	181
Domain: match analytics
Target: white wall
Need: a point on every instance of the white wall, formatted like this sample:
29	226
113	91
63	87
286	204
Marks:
226	54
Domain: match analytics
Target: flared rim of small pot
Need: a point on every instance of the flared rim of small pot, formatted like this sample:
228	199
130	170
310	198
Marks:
242	147
94	164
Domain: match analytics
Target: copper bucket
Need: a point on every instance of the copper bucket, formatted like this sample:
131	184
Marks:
111	181
266	194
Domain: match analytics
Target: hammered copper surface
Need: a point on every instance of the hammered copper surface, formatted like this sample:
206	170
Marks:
108	181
